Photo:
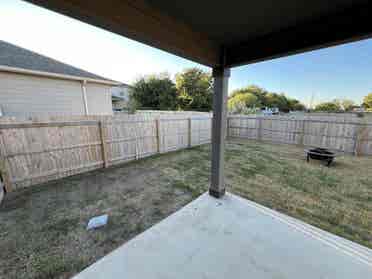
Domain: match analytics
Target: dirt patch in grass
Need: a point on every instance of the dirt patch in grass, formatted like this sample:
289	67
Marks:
43	228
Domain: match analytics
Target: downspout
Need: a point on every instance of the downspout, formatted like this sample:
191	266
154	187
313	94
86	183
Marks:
84	91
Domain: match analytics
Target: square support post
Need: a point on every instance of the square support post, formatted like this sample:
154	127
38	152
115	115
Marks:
221	78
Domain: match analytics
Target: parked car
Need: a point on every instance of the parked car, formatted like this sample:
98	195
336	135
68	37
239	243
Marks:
269	111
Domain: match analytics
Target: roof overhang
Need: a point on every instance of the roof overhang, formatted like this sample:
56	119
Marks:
21	71
220	33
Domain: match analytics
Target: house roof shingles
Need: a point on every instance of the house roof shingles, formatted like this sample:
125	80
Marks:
18	57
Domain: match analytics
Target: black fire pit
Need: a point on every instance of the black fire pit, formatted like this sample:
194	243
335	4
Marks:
320	154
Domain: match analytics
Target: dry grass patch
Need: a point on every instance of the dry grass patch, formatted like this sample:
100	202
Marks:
337	199
43	231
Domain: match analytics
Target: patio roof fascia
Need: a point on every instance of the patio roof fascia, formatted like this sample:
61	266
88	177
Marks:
141	22
344	27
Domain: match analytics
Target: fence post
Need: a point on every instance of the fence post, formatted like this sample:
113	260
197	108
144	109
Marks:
357	139
4	169
157	123
228	127
189	135
5	175
302	133
103	134
259	130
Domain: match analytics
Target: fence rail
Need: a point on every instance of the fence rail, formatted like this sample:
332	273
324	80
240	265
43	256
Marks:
353	137
36	152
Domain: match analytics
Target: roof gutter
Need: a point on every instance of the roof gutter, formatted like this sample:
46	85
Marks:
54	75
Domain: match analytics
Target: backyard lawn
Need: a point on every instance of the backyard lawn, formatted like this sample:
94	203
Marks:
43	231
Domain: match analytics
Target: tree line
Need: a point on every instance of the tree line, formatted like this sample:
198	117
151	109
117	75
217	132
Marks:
337	105
345	105
193	90
251	98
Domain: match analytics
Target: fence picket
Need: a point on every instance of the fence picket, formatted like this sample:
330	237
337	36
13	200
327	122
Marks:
34	152
354	137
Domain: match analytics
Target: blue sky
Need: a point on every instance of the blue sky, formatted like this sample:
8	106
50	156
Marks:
339	72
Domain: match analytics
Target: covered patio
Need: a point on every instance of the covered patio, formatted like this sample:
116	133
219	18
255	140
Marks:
233	238
221	235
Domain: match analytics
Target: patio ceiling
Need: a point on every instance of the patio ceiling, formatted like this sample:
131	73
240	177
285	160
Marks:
220	33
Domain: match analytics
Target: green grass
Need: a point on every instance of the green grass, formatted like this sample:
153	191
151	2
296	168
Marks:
43	227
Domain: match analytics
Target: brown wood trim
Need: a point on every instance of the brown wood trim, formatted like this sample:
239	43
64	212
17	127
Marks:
351	24
138	21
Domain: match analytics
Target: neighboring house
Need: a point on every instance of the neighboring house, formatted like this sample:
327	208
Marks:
35	85
120	97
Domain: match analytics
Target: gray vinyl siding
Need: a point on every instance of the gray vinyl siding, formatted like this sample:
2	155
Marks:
99	99
26	95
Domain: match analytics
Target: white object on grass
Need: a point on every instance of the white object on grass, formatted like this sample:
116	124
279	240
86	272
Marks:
97	222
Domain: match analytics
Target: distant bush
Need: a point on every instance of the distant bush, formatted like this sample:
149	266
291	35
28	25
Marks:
328	107
263	98
243	103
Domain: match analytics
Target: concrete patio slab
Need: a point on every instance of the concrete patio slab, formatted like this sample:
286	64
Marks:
233	238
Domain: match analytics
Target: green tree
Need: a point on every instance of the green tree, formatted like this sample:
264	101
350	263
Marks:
155	92
195	89
270	99
328	107
295	105
132	103
257	91
347	105
367	101
240	103
277	100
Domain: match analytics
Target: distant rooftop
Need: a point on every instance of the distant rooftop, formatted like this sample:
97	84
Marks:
18	57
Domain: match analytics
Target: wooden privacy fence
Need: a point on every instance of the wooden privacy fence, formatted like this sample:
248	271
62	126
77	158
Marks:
36	152
348	137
